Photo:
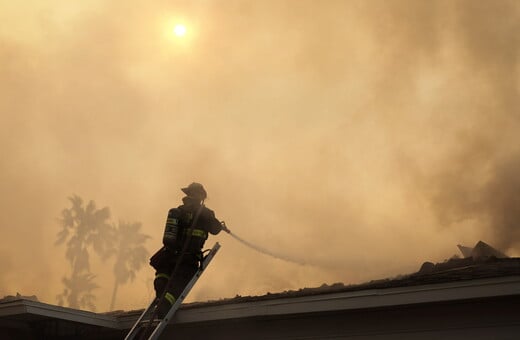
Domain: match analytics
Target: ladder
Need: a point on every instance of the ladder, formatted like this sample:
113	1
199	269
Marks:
158	325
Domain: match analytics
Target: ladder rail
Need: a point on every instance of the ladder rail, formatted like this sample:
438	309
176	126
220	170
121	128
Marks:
134	328
158	330
164	322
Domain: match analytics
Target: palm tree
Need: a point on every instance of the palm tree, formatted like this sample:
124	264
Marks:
83	228
78	291
131	254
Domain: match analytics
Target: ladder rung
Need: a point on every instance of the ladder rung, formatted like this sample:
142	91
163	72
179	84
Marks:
155	322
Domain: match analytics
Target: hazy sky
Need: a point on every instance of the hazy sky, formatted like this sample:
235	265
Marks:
362	137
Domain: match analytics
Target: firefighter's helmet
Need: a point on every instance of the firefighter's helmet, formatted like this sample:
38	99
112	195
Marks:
195	190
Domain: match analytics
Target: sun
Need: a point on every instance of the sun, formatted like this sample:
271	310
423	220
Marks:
179	30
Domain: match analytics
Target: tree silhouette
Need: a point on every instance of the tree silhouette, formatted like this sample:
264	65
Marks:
83	228
78	291
130	252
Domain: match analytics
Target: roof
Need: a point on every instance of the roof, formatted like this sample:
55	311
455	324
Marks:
454	280
29	310
342	301
27	319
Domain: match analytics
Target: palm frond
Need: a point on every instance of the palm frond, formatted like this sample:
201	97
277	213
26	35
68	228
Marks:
61	236
131	254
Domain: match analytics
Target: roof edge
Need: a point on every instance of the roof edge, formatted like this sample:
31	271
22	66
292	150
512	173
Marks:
23	306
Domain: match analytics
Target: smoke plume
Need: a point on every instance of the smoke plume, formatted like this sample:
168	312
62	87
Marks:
364	136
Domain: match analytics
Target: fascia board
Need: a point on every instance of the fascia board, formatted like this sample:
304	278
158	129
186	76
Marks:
62	313
12	308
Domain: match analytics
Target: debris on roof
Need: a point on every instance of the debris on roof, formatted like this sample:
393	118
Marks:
480	251
18	296
466	251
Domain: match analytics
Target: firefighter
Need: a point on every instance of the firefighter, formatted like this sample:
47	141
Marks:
187	228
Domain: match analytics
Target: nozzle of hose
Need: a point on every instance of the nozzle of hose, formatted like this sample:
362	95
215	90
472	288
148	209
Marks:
224	227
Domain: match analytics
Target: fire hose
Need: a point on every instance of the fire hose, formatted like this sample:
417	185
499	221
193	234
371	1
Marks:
261	249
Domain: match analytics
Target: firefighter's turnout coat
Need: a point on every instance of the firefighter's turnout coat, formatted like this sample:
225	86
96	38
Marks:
181	233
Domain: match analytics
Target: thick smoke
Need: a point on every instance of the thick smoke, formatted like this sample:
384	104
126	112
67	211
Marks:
367	137
501	202
483	191
477	179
